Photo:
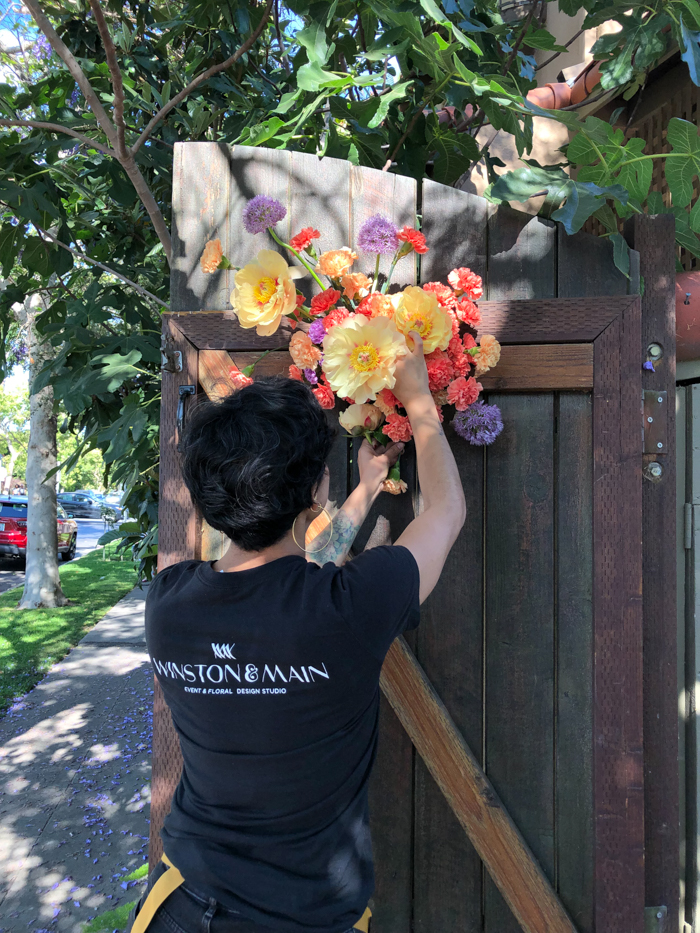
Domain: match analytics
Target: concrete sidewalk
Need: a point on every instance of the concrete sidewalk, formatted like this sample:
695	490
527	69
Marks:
75	781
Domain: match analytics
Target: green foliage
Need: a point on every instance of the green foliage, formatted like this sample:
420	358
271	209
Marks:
31	640
362	80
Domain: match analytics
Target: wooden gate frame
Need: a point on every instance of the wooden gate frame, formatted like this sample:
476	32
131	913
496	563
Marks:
592	345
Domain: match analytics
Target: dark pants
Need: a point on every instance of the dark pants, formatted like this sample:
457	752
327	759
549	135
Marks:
186	911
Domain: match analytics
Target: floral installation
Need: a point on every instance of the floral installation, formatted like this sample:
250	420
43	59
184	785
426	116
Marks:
347	339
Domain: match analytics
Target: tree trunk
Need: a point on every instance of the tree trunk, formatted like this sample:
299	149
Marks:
42	585
14	454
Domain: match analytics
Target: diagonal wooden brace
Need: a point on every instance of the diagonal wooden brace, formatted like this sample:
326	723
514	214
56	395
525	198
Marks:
512	866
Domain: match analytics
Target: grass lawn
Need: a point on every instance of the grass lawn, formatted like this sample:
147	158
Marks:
31	640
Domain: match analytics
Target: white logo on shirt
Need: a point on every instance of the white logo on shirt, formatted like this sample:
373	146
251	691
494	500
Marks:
224	651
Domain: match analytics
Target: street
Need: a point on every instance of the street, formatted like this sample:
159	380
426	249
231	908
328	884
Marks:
89	530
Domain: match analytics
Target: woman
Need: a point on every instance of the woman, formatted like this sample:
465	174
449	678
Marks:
270	662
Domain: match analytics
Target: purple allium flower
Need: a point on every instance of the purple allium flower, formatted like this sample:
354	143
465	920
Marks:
378	235
649	365
42	48
262	212
75	96
311	376
317	332
479	424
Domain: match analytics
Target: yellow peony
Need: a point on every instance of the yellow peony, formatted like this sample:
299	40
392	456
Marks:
360	418
419	310
264	292
360	356
488	355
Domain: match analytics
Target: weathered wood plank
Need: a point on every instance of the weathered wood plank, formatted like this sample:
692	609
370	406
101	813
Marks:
653	238
540	320
519	639
522	254
618	771
541	367
448	872
585	266
471	795
447	884
573	767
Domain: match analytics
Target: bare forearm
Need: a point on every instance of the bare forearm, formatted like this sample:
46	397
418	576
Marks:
346	523
437	471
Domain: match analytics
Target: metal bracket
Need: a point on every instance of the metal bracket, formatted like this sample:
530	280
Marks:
655	414
182	393
655	919
170	359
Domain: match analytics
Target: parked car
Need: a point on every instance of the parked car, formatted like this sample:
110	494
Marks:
80	504
13	529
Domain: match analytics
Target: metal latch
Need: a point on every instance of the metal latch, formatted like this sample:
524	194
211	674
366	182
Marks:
655	919
170	359
182	393
655	409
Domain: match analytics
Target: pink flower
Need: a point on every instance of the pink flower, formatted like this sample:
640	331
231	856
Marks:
459	358
334	316
295	373
324	396
443	293
466	282
462	392
239	379
467	311
303	239
398	427
440	370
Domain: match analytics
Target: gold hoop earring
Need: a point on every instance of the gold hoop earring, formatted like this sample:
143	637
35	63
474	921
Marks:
323	546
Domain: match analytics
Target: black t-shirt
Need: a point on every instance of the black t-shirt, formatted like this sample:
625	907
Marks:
272	678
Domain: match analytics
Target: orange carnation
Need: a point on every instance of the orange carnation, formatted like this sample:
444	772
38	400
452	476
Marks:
211	257
489	354
336	262
353	283
462	392
303	239
466	282
414	238
440	370
239	379
295	373
376	305
324	396
303	351
398	427
459	358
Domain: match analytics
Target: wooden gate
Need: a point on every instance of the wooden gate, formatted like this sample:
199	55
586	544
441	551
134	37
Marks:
528	663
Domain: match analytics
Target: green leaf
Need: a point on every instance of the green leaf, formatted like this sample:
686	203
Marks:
691	55
36	256
621	253
261	132
10	240
523	183
313	38
683	164
542	39
694	217
453	155
311	77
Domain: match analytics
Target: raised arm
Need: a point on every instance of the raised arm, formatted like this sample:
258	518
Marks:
431	534
373	466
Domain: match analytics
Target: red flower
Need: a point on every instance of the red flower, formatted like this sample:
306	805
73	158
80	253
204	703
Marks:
467	311
324	396
300	299
389	398
468	342
376	305
440	370
460	360
302	240
325	301
462	392
415	238
438	409
239	379
295	373
466	283
336	316
443	293
398	428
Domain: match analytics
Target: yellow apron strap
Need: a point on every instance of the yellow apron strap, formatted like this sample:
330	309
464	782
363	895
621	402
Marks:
171	880
161	890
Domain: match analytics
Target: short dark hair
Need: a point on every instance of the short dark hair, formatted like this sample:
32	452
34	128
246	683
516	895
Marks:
252	459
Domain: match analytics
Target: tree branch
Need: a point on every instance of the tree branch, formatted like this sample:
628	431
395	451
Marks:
93	262
115	74
204	76
566	46
283	51
57	128
126	160
519	40
68	59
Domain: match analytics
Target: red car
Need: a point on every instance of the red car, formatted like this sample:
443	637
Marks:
13	529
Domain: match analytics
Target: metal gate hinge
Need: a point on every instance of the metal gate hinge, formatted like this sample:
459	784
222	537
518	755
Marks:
655	919
170	359
655	415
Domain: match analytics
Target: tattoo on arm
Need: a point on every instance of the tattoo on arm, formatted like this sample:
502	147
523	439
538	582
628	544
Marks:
344	533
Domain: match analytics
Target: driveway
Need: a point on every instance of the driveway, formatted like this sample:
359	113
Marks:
89	530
